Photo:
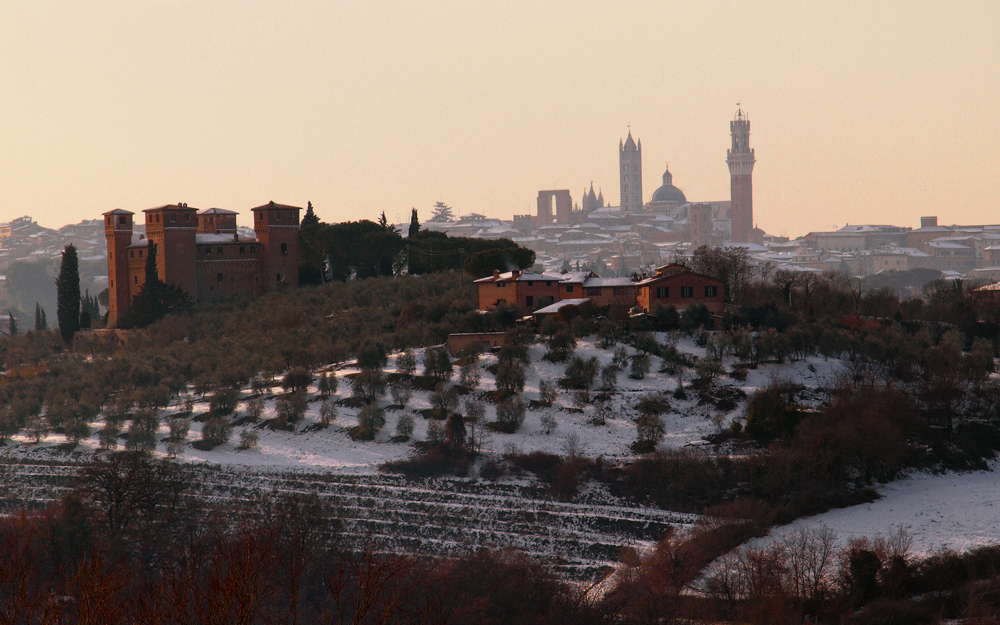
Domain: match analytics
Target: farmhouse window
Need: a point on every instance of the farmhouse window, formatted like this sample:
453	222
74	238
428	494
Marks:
662	292
687	291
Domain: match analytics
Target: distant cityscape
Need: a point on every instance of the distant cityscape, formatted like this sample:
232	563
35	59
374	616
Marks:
635	237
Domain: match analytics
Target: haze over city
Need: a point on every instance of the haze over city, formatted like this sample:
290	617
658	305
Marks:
861	112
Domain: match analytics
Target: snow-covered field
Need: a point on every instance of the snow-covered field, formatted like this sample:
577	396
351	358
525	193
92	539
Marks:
332	449
955	511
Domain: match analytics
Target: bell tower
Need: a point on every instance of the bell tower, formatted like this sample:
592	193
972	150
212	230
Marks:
740	159
118	231
630	167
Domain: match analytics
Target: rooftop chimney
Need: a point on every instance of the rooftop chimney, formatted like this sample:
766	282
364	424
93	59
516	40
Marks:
496	274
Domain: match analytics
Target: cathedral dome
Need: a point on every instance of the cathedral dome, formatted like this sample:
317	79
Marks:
668	192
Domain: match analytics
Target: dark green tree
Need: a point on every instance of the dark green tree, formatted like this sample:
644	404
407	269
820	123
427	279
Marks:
68	294
11	324
310	218
442	212
383	222
156	298
414	223
39	318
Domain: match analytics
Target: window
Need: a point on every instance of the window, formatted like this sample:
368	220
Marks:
592	291
529	301
131	254
277	278
218	278
136	279
140	253
531	283
711	291
111	255
274	215
108	221
187	216
220	251
662	292
112	284
173	217
289	215
569	288
284	248
208	251
687	291
501	285
243	250
252	248
548	283
122	221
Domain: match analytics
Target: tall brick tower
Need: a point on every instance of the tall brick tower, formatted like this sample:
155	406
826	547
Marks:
630	166
740	159
173	229
118	231
277	228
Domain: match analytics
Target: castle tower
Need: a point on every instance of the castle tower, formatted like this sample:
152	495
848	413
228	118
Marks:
740	159
630	166
173	229
118	231
277	228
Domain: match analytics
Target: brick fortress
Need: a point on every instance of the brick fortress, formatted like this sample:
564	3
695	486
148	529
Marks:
202	252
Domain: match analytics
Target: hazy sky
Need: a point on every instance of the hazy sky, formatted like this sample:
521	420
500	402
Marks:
861	111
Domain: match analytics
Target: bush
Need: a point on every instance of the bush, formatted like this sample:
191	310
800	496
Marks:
400	392
224	400
327	413
547	393
368	385
371	420
640	366
297	379
437	363
580	373
649	432
771	412
292	407
510	378
214	432
609	378
561	345
248	439
470	376
406	362
510	415
255	409
431	463
404	426
548	422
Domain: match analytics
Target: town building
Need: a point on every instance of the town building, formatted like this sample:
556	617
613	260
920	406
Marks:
676	285
740	159
201	253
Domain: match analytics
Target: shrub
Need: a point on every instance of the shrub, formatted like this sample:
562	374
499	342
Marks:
255	409
292	407
368	385
371	420
547	392
297	379
371	355
620	359
327	384
640	366
510	377
404	425
401	393
580	373
652	404
561	345
406	362
327	413
771	412
437	363
248	439
224	400
431	463
548	422
510	415
215	431
649	432
470	376
609	378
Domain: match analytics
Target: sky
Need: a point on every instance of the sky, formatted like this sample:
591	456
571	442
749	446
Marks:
861	112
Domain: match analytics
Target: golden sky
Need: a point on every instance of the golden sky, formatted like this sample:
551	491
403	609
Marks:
861	112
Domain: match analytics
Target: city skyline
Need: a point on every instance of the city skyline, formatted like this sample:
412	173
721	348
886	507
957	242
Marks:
860	113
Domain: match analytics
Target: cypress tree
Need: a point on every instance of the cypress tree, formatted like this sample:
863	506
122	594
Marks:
68	294
310	218
12	324
38	318
414	223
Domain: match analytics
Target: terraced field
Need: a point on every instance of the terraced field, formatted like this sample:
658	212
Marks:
435	517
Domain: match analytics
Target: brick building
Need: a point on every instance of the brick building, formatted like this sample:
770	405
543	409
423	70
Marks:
677	286
527	291
202	253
